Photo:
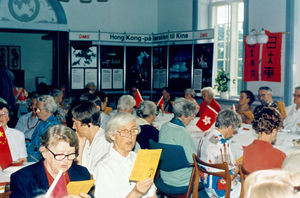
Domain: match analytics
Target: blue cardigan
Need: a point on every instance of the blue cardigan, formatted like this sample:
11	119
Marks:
32	181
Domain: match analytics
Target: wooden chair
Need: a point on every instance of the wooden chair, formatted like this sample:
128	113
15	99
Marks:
5	195
194	182
243	174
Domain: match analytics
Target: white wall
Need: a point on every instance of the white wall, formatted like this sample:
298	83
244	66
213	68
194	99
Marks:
271	15
36	56
132	16
175	15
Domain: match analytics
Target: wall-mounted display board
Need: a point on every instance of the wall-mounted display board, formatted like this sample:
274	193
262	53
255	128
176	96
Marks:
180	60
112	64
159	67
127	59
10	57
203	63
138	67
84	66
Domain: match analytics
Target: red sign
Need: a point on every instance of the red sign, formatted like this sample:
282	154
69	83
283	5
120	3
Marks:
251	64
271	58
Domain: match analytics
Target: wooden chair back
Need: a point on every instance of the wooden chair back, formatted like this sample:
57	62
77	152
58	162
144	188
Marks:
198	169
243	174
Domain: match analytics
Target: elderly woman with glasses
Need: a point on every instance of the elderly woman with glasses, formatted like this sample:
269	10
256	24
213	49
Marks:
146	114
59	147
174	132
114	170
214	148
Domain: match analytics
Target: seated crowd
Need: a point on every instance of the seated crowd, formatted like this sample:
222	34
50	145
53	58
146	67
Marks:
103	143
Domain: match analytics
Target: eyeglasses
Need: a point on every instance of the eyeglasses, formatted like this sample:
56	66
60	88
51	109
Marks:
128	133
296	95
4	114
60	157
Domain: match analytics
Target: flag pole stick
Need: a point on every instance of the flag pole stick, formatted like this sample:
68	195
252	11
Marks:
53	184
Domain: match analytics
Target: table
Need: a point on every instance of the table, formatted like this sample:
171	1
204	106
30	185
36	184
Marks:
246	135
5	174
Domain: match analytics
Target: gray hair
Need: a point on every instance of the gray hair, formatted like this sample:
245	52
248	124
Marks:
210	92
57	133
90	84
126	102
57	93
116	121
49	103
268	89
184	107
227	118
146	109
297	88
190	91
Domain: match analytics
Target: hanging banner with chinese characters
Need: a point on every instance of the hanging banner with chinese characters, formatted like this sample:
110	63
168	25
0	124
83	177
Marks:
251	64
271	58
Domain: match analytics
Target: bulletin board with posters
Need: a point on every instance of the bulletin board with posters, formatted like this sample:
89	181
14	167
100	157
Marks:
112	64
203	65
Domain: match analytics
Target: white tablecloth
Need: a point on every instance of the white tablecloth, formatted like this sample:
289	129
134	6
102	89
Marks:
246	135
5	174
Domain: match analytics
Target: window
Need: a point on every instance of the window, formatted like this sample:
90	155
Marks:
227	18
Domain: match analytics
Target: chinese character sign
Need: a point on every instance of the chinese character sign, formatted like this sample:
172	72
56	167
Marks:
271	58
251	64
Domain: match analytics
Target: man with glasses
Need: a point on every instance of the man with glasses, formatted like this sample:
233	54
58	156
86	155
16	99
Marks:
265	97
46	107
92	143
292	121
15	138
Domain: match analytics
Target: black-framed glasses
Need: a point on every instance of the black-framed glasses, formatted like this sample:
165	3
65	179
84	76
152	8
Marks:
128	133
60	157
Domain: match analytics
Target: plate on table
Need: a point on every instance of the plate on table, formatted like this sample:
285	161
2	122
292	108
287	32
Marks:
296	142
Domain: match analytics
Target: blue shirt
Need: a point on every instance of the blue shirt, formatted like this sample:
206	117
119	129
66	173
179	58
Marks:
34	145
27	124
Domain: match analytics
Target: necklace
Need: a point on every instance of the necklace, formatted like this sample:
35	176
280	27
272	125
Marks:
33	125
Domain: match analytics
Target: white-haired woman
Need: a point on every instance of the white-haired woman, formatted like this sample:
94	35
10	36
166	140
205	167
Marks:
146	114
126	103
214	148
208	99
174	132
190	95
114	170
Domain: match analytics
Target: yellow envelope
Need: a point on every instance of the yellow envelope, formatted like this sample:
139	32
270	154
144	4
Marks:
77	187
145	164
281	107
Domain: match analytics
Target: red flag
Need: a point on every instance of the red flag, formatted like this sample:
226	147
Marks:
58	188
138	98
5	157
207	118
161	103
251	63
271	58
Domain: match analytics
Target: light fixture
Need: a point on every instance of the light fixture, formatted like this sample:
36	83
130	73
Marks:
257	37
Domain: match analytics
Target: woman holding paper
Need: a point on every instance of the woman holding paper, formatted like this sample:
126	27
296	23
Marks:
59	147
114	170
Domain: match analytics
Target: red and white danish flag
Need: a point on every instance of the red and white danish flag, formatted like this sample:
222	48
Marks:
161	103
207	118
138	98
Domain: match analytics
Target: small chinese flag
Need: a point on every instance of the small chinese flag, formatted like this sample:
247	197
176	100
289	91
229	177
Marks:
5	157
138	98
161	103
207	118
58	188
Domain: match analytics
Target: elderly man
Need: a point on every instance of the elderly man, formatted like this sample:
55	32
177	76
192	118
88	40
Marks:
292	121
126	103
92	143
15	138
46	106
265	97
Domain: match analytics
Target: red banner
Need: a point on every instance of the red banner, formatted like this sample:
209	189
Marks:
271	58
251	64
